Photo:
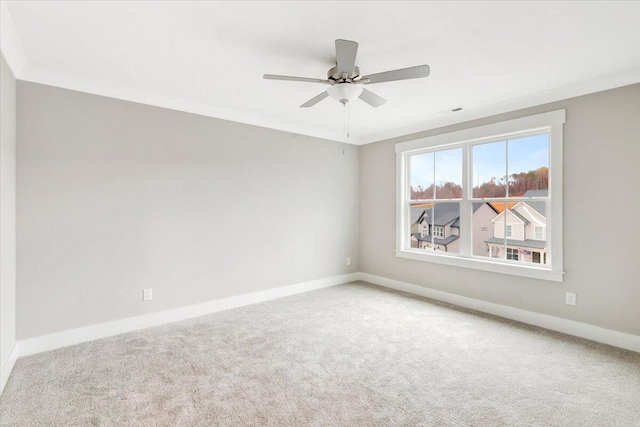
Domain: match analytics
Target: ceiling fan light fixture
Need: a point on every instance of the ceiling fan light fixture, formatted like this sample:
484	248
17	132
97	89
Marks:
344	91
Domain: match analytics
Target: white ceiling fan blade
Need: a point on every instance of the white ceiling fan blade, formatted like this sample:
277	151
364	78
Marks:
313	101
371	98
401	74
295	79
346	51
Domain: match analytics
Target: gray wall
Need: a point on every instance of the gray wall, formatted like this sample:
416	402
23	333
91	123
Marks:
114	197
601	214
7	211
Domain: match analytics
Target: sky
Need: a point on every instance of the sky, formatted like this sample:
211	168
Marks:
489	160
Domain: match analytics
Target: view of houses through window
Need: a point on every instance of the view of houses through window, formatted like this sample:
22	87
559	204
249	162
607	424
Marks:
507	192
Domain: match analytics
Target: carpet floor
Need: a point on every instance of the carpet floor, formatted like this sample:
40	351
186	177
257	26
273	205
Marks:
350	355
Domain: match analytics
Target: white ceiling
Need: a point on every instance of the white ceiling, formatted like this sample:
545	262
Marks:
209	57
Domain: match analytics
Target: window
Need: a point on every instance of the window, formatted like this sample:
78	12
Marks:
539	234
497	188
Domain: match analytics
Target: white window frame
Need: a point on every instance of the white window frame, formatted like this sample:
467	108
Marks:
508	229
551	123
535	233
438	231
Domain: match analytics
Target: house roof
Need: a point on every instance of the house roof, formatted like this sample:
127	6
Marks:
416	213
499	206
520	217
514	213
476	206
535	244
436	240
536	193
537	206
444	213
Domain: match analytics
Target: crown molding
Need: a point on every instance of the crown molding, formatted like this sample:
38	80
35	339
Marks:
67	81
15	57
10	44
109	90
585	87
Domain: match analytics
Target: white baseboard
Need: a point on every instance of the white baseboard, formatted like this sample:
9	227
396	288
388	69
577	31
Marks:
558	324
89	333
7	367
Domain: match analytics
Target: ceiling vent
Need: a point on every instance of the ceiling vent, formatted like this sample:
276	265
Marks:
454	110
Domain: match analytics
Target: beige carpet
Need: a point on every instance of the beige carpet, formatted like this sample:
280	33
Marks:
352	355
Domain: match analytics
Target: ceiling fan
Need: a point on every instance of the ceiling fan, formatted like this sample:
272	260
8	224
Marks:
345	82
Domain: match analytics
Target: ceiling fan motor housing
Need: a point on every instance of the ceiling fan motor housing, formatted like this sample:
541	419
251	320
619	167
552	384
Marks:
333	74
343	90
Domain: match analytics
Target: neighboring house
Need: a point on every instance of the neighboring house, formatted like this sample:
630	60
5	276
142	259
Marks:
481	221
443	232
526	231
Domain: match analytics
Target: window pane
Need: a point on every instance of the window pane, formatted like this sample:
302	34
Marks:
419	224
449	174
529	166
485	218
527	222
435	227
482	215
422	176
489	169
532	248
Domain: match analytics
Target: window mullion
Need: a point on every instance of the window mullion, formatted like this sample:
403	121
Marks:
465	206
407	177
433	207
506	192
433	215
506	177
434	176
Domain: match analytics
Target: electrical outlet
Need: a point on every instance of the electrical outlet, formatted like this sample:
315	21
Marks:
147	294
348	261
571	298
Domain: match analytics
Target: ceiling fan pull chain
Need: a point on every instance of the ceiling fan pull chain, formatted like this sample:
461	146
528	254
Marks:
344	121
345	126
348	119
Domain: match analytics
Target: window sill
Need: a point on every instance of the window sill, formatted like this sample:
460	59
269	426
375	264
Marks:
484	265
